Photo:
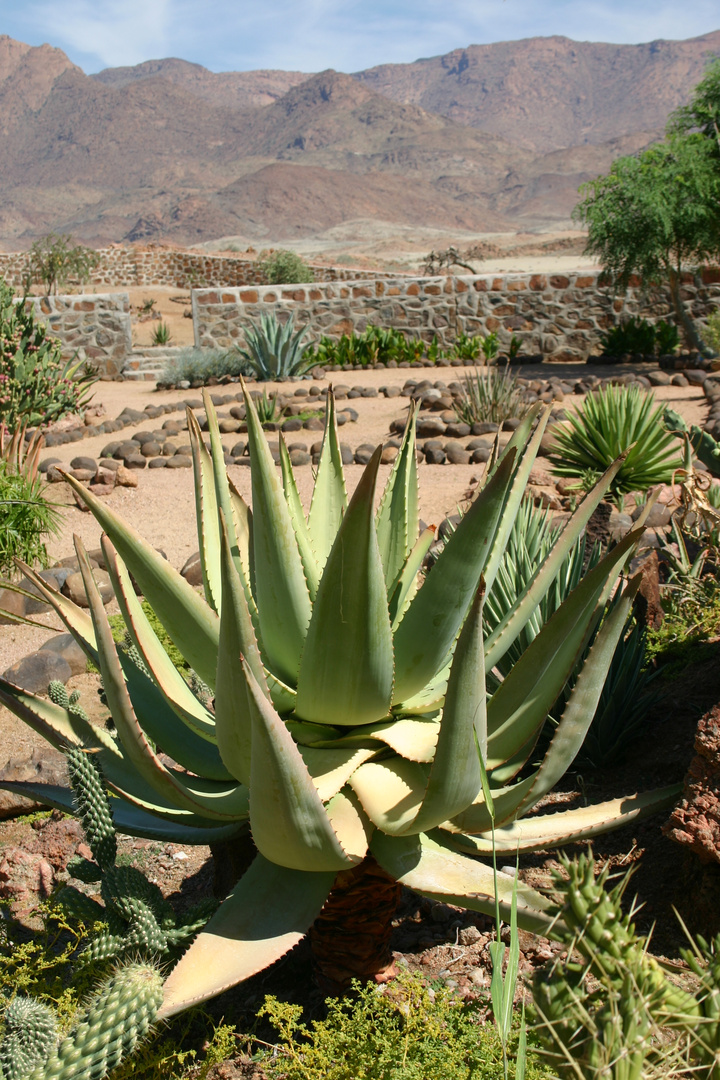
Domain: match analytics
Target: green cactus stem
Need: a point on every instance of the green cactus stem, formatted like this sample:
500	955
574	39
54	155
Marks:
30	1035
119	1016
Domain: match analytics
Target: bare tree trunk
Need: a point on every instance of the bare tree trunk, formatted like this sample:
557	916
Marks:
350	938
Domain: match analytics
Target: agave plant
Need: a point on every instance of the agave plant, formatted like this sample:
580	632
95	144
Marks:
610	422
351	724
274	350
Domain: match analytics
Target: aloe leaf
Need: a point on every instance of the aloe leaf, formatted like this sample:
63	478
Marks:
518	487
297	515
329	498
543	831
477	817
62	728
503	635
433	619
391	793
350	823
283	600
167	679
206	512
412	737
518	708
190	623
402	589
455	779
346	670
397	518
288	820
330	769
426	866
266	915
583	701
77	621
233	714
129	818
242	518
193	793
58	726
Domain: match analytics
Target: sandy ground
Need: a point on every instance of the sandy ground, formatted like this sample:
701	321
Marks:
162	506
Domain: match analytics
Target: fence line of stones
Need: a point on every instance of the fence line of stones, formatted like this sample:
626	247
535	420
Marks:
137	266
558	317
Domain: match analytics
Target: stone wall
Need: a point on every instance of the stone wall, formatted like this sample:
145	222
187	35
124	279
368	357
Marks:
131	266
558	315
95	326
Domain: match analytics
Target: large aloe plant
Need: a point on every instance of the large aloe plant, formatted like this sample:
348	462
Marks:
351	717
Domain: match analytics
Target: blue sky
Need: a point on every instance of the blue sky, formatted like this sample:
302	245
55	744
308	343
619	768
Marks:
310	35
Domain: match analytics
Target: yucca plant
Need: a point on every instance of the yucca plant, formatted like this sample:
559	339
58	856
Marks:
274	350
612	421
350	712
490	396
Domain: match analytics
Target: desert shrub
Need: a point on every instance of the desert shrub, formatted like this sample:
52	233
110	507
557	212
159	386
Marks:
667	338
26	519
492	396
611	421
402	1032
284	268
55	260
198	365
639	337
36	384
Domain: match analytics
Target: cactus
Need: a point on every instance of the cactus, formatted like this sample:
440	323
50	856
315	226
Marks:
30	1034
137	915
706	449
92	806
57	692
600	1016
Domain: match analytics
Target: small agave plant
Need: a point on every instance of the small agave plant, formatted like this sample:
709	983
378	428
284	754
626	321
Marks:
351	726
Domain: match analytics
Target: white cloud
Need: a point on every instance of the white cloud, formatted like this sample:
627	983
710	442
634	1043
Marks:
349	35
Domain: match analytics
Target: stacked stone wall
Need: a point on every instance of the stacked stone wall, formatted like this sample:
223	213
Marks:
94	326
560	316
131	266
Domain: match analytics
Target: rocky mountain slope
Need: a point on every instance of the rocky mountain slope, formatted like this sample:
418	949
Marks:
485	139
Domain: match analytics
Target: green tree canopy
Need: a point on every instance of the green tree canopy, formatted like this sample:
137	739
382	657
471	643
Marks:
655	215
702	113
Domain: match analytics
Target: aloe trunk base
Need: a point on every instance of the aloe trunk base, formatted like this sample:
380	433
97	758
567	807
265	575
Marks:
350	939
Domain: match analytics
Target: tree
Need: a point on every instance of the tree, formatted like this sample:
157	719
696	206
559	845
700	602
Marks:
702	113
54	261
284	268
656	215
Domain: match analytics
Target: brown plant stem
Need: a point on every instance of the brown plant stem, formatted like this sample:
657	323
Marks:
350	938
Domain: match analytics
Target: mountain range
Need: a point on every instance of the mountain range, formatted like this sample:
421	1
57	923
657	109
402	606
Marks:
486	139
